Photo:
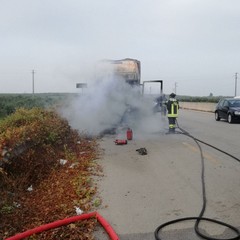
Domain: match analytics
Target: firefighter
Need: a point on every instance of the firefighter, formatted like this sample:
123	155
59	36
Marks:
172	107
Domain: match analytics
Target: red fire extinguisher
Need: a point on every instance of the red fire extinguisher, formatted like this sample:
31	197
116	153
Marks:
120	141
129	134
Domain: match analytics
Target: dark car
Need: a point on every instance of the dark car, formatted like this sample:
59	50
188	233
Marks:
229	109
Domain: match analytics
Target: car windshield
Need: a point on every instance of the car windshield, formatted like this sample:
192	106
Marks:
234	103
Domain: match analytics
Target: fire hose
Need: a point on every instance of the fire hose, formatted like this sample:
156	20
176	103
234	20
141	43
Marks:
200	217
66	221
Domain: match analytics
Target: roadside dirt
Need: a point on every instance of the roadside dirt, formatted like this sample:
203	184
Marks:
49	178
128	181
141	192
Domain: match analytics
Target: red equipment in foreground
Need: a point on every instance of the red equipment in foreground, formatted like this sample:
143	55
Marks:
129	134
66	221
120	141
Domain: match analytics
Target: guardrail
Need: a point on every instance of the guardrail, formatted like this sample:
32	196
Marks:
199	106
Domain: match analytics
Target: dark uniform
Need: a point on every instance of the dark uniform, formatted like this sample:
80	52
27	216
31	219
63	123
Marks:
172	107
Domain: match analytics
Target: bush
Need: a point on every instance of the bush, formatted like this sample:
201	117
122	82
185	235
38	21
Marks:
32	144
28	134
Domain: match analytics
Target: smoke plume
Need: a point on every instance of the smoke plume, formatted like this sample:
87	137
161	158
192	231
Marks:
111	103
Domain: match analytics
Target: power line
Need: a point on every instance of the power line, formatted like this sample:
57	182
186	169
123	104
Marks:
175	87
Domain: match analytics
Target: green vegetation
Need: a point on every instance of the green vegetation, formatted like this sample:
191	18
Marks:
10	102
27	134
35	187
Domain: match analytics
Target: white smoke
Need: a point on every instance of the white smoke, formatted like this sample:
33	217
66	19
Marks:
104	104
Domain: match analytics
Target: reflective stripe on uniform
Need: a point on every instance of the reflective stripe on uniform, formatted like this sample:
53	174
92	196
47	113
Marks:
174	109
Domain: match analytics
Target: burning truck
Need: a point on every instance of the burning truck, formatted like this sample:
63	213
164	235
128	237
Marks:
126	75
128	70
114	99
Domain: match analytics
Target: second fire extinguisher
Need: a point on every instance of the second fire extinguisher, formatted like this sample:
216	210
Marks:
129	134
120	141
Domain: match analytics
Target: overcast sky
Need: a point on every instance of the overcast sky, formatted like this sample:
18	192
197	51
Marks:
194	43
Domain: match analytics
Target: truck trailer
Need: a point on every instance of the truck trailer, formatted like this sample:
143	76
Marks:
127	69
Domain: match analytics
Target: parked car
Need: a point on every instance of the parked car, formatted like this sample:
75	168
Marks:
229	109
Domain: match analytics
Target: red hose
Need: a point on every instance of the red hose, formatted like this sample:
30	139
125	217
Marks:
67	221
107	227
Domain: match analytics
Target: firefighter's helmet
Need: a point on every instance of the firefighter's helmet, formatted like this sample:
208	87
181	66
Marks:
172	95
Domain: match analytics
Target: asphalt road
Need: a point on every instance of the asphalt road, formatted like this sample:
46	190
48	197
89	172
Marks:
141	192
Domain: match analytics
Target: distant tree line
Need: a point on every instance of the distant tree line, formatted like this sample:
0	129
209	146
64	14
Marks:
211	99
9	103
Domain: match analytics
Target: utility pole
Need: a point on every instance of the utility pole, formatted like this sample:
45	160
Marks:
175	88
236	78
33	72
